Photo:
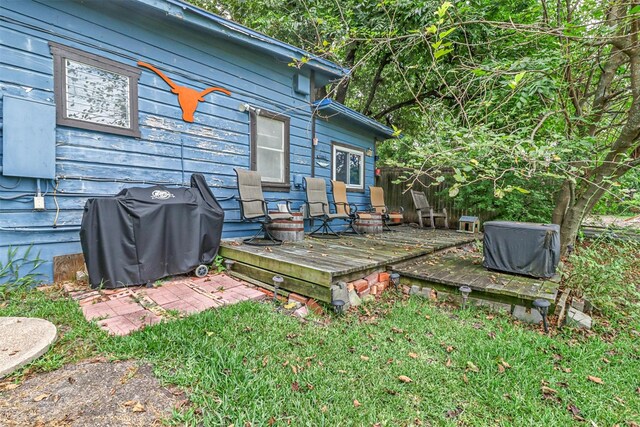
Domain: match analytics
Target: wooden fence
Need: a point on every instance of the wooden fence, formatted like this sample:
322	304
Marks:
398	195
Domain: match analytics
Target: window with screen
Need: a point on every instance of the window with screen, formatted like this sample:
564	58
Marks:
270	149
348	166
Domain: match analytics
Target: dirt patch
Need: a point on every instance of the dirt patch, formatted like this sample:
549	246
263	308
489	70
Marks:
89	394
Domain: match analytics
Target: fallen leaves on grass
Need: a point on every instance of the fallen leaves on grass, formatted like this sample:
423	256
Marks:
447	348
356	403
503	366
364	358
549	393
405	379
596	380
413	355
472	367
575	412
453	413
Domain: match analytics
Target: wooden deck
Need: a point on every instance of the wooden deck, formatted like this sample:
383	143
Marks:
449	270
310	267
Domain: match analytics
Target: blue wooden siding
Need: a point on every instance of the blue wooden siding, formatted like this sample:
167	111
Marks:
94	164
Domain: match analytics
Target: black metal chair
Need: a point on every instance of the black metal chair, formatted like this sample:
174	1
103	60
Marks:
318	208
255	208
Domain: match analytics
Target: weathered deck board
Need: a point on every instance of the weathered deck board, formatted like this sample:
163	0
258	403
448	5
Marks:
316	264
456	268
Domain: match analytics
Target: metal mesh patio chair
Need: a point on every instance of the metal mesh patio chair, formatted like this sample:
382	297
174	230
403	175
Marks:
318	208
339	190
255	208
376	195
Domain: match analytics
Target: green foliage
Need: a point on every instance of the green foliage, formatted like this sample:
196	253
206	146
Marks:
513	206
608	274
218	264
623	198
19	270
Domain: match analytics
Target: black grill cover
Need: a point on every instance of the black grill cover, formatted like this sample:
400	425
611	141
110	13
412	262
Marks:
522	248
144	234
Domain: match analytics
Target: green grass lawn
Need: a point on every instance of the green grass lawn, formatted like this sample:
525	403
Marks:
248	363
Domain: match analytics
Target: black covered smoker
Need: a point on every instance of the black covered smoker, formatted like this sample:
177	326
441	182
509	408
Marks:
144	234
522	248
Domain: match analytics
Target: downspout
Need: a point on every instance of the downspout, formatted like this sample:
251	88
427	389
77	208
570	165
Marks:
312	97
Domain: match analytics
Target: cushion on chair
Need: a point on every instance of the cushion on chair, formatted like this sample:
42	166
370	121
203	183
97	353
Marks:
363	215
338	215
396	215
280	215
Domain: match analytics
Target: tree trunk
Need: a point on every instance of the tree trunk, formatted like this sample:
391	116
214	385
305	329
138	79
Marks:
377	79
563	200
569	228
342	87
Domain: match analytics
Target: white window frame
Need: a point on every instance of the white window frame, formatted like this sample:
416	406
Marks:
350	150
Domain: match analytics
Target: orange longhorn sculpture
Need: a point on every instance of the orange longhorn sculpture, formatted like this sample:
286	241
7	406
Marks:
187	98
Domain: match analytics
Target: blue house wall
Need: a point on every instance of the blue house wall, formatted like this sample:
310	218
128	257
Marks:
338	130
93	164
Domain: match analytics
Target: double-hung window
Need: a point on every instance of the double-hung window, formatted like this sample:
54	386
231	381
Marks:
348	166
95	93
270	149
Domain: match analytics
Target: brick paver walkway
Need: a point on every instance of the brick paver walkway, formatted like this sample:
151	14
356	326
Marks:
121	311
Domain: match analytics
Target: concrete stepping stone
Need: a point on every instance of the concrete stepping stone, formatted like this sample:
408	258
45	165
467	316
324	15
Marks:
22	340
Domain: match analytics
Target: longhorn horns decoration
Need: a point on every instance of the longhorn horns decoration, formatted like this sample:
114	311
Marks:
188	98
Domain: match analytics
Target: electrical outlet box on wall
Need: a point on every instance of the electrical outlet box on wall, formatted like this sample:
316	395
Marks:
38	203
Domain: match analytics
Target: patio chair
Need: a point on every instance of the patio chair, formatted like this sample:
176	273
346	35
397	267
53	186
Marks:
425	211
255	208
339	190
376	196
318	208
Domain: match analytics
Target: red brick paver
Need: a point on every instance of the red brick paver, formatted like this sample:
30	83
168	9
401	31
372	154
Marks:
122	311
